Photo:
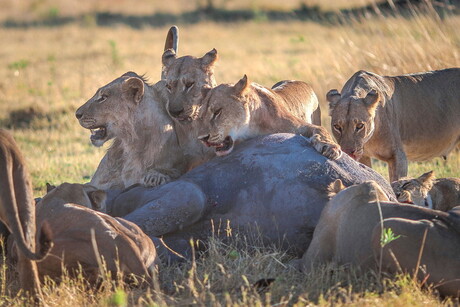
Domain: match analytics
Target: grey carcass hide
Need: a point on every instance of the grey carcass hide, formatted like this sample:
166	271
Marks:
273	185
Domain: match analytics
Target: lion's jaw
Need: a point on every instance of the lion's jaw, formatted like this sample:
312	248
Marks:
221	148
101	131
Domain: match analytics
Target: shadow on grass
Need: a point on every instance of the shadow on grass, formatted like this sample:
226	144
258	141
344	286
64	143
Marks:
35	118
406	8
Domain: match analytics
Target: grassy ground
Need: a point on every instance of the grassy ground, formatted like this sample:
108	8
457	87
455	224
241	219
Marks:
47	72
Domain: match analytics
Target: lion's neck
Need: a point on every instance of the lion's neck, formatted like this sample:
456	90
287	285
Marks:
152	131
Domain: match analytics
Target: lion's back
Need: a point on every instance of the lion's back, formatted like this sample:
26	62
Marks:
298	97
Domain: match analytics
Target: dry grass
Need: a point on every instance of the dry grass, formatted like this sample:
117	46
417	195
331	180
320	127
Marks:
46	73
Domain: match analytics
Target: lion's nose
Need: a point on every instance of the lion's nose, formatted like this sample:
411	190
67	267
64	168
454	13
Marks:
78	114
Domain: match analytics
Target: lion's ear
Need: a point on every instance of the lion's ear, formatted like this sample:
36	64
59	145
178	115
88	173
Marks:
427	179
241	86
335	187
49	187
372	99
333	97
169	56
97	199
133	89
172	39
205	90
209	59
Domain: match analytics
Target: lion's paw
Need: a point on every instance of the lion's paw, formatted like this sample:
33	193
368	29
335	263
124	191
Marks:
327	148
154	178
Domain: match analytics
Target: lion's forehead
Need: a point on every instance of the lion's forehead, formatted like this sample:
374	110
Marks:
182	66
350	111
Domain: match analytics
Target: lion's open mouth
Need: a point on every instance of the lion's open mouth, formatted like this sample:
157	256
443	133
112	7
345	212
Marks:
223	148
98	134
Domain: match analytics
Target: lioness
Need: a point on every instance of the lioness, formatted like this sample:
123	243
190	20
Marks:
81	234
145	148
415	117
232	113
427	191
17	211
440	261
185	77
347	226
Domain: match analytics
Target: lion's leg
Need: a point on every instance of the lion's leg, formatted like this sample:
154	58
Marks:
320	251
397	166
154	177
321	140
28	276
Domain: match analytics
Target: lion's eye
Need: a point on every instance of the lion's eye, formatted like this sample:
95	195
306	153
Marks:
359	126
337	127
188	85
168	86
102	98
217	113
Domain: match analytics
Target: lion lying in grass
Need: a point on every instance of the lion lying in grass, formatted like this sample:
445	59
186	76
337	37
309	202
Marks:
412	117
17	211
441	194
233	113
349	232
82	235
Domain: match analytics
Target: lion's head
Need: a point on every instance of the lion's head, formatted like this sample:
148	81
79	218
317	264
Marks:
107	113
414	191
352	120
81	194
225	116
185	77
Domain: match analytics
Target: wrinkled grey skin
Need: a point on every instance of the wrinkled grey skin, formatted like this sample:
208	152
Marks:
275	184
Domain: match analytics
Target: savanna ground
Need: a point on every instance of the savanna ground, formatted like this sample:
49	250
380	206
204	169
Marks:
48	71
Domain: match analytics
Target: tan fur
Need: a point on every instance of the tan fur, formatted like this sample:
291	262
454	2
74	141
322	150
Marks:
410	117
67	209
347	226
441	194
145	149
232	113
17	211
440	261
185	77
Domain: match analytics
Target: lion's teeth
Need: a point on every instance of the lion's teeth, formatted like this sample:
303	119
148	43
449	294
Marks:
99	130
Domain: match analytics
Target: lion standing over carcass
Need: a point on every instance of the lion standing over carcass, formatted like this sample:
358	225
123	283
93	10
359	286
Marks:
410	117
